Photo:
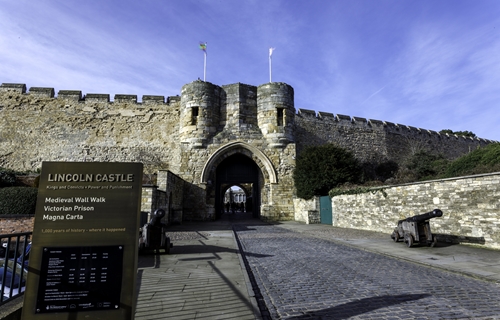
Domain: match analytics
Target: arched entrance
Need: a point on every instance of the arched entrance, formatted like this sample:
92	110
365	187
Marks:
238	169
233	164
237	199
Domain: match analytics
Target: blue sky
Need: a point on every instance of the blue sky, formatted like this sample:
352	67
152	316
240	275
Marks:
432	64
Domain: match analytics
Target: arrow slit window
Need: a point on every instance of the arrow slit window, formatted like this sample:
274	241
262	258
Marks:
280	117
194	115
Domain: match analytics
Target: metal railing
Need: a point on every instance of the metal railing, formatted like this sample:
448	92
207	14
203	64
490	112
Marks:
14	256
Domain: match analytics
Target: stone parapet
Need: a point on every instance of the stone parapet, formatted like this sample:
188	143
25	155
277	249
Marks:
17	87
130	98
73	95
97	97
42	92
153	99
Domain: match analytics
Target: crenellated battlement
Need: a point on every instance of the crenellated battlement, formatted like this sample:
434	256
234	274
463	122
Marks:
309	115
353	121
16	87
76	95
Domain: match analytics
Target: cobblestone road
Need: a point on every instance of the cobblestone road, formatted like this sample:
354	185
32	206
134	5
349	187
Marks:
305	277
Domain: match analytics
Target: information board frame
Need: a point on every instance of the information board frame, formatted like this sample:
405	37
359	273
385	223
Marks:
80	206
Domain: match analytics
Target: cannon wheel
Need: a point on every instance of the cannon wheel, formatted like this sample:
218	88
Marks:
433	242
408	240
395	236
167	245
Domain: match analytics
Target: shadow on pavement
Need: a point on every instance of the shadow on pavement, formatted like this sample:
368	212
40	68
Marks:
361	306
203	248
148	261
453	239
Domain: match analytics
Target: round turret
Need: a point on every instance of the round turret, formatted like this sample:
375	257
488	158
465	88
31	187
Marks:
276	113
200	112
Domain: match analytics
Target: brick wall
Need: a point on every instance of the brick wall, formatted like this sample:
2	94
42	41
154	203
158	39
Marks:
15	223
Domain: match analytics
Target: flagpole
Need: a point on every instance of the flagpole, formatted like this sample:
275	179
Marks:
203	46
270	69
271	64
205	67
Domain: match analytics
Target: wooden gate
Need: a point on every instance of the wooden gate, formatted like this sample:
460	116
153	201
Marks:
325	208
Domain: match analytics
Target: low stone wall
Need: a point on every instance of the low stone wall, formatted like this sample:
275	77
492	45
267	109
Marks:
470	205
152	199
307	211
173	186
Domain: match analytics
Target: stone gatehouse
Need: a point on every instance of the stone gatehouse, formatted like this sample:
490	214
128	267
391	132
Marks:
208	139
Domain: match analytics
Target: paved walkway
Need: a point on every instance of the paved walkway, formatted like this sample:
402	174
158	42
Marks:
472	261
204	277
307	275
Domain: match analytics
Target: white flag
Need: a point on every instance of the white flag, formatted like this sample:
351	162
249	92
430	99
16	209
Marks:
271	52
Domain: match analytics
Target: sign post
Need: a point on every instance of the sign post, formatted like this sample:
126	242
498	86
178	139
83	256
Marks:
83	260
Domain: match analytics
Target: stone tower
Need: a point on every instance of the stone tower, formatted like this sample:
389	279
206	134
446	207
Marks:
276	113
199	113
240	135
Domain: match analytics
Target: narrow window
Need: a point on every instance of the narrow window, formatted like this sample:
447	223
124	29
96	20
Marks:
280	116
194	115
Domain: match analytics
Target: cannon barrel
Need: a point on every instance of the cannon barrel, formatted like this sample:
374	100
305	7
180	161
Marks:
425	216
160	213
157	216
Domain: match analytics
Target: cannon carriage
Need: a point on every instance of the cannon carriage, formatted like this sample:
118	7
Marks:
153	236
416	229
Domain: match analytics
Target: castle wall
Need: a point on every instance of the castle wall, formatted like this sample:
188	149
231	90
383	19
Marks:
366	141
404	140
374	140
470	205
37	128
185	132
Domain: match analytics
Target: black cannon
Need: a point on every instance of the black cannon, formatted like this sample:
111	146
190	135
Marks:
416	229
153	236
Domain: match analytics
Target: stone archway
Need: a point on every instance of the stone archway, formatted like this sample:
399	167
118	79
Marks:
237	147
238	169
236	163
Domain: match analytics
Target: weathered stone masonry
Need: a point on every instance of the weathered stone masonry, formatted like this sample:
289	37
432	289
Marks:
195	135
470	205
377	140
